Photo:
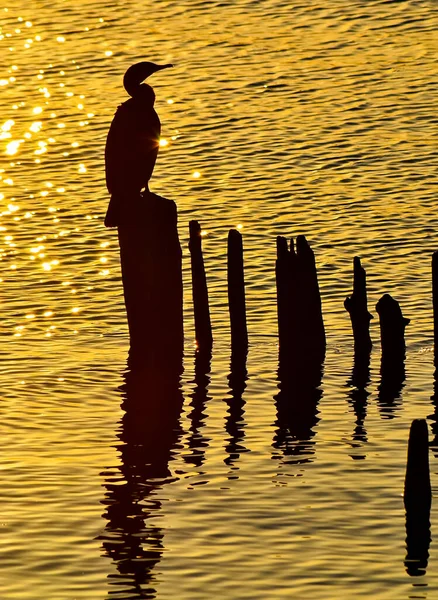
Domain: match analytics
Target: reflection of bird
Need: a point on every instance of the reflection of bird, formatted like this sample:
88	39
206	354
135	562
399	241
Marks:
133	140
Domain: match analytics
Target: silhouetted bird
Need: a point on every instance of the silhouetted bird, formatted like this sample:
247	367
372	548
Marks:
133	141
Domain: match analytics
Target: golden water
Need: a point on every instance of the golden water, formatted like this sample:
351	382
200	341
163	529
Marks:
285	118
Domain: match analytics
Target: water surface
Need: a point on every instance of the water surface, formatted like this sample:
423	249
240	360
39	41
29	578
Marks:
285	119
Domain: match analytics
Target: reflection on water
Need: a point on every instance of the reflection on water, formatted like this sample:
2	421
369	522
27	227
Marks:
357	397
235	421
418	540
417	498
317	118
149	432
297	412
197	441
389	398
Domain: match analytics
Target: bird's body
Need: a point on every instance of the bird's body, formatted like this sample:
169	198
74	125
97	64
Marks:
132	143
132	147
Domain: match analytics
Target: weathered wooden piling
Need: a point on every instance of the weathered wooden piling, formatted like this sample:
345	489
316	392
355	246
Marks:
150	255
392	365
357	308
417	499
282	277
300	322
204	336
392	330
236	291
435	305
310	320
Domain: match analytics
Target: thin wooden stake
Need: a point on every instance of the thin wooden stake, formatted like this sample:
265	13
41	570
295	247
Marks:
204	336
356	306
236	291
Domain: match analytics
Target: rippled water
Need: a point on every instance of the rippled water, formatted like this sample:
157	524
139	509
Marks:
284	118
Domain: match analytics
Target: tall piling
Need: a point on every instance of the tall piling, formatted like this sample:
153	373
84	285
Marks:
311	323
203	332
282	278
150	256
300	322
236	291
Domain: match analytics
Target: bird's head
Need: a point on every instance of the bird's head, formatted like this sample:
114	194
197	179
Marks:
137	73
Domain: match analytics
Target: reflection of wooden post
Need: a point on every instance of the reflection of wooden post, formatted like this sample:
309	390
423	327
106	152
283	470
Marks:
236	291
204	337
356	306
435	305
150	256
417	499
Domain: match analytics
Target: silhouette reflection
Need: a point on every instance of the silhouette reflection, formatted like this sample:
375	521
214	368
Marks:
149	431
297	411
357	398
418	540
417	500
197	442
391	384
234	423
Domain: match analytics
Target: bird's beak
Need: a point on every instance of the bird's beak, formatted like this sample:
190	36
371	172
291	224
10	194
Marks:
160	67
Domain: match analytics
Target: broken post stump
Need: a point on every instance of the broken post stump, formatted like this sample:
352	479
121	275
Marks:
150	256
204	336
392	330
283	282
357	307
300	323
310	321
417	499
236	291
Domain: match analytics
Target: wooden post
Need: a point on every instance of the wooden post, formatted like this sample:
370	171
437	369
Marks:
283	283
392	330
392	366
204	336
356	306
435	305
311	324
417	499
236	291
150	256
300	322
